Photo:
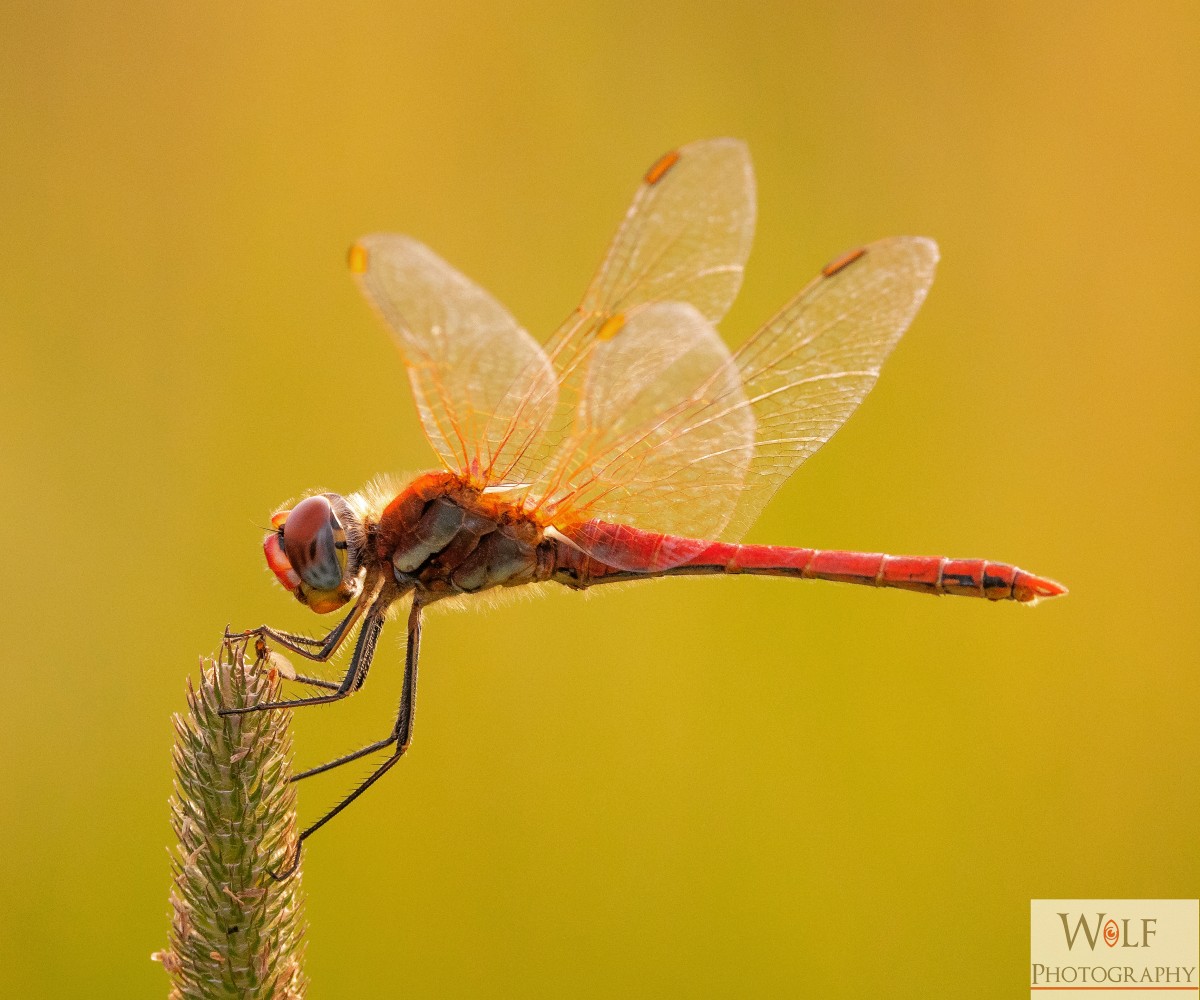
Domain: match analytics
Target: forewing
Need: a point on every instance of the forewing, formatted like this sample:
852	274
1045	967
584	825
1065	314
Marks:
662	436
810	366
484	389
685	238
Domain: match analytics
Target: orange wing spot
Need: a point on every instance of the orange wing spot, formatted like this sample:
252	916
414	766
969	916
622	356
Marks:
661	166
357	259
611	327
844	261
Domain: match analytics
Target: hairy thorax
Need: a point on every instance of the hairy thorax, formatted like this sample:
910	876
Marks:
444	537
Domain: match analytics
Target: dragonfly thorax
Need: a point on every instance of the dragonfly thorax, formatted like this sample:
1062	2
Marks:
444	537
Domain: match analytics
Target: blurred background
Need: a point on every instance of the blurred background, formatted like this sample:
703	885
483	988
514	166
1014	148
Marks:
722	787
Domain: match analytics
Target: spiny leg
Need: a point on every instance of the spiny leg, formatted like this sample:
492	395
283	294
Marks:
366	751
348	758
319	682
303	645
296	643
401	735
356	674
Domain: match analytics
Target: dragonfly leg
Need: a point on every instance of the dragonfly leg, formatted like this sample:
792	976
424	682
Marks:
319	650
366	751
319	682
403	722
296	643
356	674
401	736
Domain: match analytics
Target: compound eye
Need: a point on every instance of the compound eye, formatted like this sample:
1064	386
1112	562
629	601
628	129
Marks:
315	543
279	562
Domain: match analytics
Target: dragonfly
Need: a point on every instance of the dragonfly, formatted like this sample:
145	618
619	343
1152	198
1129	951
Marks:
632	445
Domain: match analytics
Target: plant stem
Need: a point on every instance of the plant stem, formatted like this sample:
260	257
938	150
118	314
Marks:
235	932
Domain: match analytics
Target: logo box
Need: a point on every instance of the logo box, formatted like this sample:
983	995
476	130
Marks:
1125	948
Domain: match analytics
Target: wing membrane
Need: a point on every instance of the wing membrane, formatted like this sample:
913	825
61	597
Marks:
484	389
662	437
814	362
685	238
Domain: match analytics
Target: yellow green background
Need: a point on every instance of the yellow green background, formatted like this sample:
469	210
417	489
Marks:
726	788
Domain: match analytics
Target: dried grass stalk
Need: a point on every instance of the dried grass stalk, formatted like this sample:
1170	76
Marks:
235	931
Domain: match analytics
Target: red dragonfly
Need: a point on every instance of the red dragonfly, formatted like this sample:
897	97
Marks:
633	445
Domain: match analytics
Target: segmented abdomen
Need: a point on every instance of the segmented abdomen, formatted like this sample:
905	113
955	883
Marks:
639	554
925	574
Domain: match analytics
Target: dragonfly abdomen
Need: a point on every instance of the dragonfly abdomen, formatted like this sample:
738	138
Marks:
628	553
994	581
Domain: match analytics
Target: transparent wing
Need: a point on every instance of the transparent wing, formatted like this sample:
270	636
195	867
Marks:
704	461
662	437
811	365
484	389
685	238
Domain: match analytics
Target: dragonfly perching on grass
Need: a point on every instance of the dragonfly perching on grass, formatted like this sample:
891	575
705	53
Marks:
633	445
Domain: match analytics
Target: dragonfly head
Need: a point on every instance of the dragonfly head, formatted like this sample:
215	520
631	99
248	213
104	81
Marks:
316	551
